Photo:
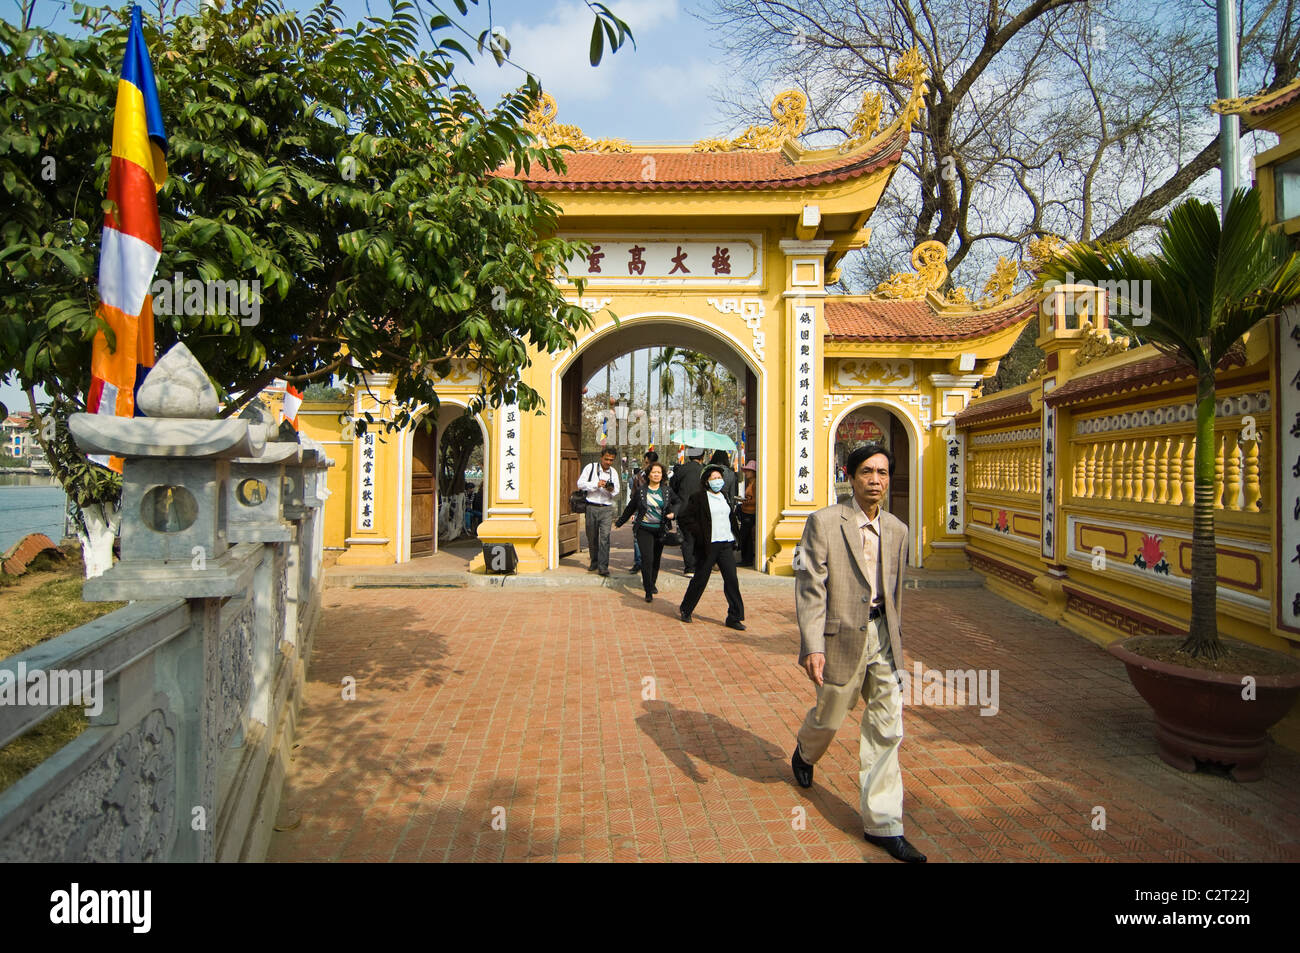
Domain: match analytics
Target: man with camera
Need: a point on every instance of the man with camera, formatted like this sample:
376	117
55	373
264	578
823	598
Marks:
599	481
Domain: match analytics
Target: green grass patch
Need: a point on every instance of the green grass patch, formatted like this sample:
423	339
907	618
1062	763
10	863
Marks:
25	753
35	607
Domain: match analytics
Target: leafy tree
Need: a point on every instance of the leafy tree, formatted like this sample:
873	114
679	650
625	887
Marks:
340	168
1208	285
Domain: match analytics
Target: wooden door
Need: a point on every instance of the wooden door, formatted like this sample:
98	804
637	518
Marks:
424	492
900	483
570	462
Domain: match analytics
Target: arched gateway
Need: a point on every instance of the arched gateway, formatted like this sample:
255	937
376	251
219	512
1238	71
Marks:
727	248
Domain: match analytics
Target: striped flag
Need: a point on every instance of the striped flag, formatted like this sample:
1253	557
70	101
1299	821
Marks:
742	450
603	437
292	401
681	454
132	242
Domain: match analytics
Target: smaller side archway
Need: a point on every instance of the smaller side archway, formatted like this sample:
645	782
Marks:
420	454
886	420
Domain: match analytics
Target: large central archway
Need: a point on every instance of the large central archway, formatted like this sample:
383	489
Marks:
634	332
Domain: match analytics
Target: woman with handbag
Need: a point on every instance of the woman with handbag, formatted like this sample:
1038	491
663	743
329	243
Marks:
654	504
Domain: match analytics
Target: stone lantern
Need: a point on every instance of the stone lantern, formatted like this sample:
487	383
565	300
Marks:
255	491
174	487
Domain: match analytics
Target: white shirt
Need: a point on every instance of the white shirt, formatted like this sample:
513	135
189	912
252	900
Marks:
871	541
595	492
720	514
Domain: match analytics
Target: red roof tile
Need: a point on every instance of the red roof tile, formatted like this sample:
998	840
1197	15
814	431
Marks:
1263	103
17	557
862	319
994	407
679	171
1150	372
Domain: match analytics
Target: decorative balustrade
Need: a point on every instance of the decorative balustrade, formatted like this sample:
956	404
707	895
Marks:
1156	466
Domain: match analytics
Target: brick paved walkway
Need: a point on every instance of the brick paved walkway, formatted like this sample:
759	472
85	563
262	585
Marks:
527	705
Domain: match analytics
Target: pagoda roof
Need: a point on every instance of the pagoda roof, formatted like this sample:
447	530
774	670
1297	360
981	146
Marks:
713	171
875	319
1255	109
995	407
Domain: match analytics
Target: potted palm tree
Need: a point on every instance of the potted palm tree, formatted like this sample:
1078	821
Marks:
1214	699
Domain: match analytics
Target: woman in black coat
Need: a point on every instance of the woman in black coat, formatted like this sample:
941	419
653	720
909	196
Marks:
711	521
654	503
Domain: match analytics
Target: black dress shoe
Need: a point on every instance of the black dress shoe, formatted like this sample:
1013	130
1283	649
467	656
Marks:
654	590
603	572
898	848
738	626
686	616
649	597
803	771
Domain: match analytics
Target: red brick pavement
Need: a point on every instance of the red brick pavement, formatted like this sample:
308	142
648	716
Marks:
527	705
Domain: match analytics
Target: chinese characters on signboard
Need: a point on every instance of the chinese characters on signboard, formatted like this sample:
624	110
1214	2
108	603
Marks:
621	260
955	487
806	355
1288	442
366	503
510	463
1049	475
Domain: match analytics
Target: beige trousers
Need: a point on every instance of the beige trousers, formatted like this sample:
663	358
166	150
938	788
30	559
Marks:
879	777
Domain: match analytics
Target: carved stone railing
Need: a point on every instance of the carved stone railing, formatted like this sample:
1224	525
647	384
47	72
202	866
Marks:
200	678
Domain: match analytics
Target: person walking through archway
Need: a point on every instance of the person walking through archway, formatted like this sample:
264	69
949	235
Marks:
686	483
748	513
654	503
711	520
600	484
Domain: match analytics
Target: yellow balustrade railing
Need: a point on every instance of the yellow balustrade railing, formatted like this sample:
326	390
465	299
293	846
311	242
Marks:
1157	468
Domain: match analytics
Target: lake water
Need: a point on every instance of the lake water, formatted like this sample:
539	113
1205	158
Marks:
29	504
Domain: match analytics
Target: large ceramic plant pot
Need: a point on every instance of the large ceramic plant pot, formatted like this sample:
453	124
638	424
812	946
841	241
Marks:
1201	715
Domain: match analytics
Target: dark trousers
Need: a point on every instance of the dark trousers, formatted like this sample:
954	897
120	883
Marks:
747	542
599	521
652	547
688	548
724	555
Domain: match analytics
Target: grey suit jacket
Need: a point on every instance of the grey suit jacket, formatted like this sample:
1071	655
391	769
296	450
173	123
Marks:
832	598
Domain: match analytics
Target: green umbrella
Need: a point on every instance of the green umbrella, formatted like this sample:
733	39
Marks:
706	439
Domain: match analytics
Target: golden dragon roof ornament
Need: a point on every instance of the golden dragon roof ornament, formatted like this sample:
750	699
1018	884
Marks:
910	68
930	259
789	117
541	123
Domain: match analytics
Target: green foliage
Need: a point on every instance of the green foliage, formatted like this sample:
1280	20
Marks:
322	392
340	167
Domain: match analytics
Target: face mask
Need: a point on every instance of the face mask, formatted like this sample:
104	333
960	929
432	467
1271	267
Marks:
715	485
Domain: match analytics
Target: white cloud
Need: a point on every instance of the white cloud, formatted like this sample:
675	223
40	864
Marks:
556	51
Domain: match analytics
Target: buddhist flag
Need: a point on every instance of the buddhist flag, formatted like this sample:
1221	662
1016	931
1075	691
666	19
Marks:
292	401
132	242
681	454
742	450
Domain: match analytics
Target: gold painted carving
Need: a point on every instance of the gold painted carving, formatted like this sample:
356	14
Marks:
867	120
1097	345
911	69
789	117
1041	250
541	123
930	259
1001	284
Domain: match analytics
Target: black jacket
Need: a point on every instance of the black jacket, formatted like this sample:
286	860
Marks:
686	479
697	519
637	504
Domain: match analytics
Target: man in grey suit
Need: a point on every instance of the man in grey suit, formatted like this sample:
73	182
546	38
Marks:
848	579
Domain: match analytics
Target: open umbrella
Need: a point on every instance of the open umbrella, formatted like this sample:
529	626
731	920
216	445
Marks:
707	439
